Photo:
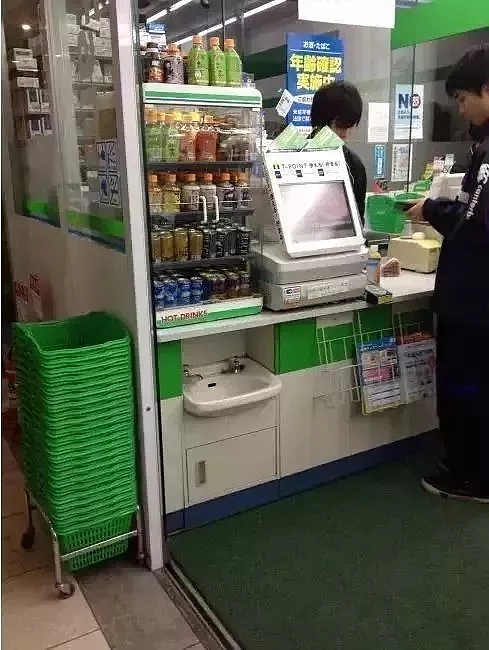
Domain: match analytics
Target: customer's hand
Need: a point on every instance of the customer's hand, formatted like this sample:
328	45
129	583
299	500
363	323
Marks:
416	212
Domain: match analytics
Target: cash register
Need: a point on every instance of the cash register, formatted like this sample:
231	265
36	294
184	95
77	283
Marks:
318	255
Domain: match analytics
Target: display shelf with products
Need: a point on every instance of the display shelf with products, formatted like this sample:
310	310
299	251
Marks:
200	150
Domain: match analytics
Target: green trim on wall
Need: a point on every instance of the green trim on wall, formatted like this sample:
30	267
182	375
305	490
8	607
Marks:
295	346
169	369
269	63
100	225
438	19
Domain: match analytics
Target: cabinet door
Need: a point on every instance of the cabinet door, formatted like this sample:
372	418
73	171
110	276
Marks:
231	465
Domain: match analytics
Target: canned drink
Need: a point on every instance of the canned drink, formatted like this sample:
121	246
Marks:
159	294
233	283
156	246
244	240
244	283
171	292
180	242
196	282
220	242
219	286
196	297
183	284
206	286
231	240
195	244
167	246
183	298
208	243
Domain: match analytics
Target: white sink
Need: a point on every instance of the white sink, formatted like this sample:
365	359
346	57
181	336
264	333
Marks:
220	392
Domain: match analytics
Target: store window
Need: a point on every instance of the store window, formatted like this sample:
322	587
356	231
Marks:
29	113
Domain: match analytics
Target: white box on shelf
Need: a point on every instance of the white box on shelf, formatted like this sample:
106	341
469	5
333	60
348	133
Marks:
24	65
24	82
18	53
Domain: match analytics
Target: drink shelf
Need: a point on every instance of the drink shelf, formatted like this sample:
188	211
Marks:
199	165
231	260
182	217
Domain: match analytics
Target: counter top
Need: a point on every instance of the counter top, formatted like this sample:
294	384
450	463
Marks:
408	286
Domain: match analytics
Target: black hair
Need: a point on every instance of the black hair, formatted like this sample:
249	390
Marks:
338	103
471	73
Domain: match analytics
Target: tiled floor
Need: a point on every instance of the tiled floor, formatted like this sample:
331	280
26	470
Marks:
113	607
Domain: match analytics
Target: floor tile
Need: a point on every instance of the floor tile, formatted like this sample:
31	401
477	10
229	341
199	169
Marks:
33	617
12	493
94	641
16	560
133	611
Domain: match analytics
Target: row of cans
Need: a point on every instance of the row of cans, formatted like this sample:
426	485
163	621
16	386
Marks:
212	285
207	241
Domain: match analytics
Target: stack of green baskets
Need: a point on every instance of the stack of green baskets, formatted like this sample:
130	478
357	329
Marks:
76	406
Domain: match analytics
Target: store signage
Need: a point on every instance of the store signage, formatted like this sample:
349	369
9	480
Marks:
313	60
379	160
183	315
363	13
409	110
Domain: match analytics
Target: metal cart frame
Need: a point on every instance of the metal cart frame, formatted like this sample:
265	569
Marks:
66	589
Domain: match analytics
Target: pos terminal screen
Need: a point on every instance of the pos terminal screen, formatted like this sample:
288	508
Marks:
316	212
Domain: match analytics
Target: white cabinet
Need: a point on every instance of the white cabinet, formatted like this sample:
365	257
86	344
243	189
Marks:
230	465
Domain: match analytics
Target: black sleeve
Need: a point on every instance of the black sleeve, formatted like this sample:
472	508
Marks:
444	215
360	190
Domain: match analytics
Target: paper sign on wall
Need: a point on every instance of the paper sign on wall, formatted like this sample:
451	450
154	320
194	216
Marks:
378	121
371	13
402	156
409	110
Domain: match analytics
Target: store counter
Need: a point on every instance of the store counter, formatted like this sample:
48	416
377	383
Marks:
312	432
408	286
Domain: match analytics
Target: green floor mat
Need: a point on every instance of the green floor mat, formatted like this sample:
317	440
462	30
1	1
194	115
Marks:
370	562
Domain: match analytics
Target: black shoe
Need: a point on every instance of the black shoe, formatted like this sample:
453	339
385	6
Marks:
451	488
442	466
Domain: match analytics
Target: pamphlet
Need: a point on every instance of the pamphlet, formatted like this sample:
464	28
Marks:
324	140
379	375
291	139
417	361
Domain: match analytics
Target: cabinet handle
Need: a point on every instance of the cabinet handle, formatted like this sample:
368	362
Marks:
201	473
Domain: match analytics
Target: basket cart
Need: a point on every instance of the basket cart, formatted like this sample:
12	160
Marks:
77	415
66	588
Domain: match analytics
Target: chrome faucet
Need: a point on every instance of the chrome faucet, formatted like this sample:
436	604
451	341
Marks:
190	375
234	366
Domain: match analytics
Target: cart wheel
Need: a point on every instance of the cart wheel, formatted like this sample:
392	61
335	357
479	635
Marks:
141	559
65	590
27	540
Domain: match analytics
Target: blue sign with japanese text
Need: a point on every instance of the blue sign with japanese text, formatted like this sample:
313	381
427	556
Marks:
313	60
379	161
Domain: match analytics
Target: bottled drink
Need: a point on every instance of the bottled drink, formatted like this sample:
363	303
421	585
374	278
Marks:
207	140
217	63
155	195
171	194
225	193
152	64
152	136
171	149
173	65
198	63
190	194
234	68
188	140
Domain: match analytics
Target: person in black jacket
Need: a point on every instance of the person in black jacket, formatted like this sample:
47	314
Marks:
340	107
461	299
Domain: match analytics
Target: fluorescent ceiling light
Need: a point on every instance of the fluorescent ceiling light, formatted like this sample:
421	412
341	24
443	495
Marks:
25	27
160	14
216	28
182	41
265	7
178	5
